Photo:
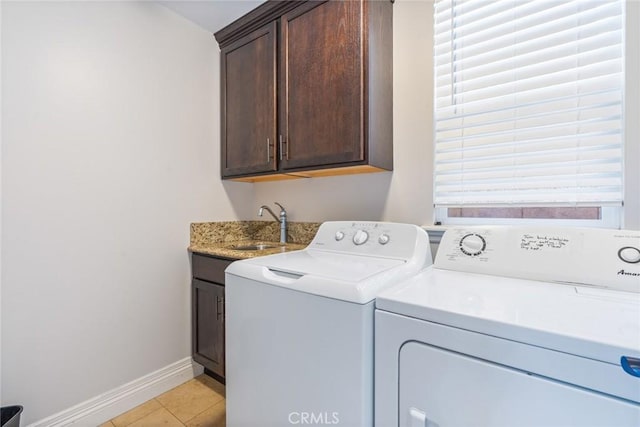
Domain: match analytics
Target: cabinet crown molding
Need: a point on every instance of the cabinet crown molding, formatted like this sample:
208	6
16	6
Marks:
261	15
258	17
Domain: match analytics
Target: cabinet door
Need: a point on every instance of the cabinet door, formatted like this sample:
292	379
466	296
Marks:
248	91
322	84
208	325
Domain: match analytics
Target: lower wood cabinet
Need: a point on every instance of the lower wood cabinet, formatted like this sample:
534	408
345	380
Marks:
207	313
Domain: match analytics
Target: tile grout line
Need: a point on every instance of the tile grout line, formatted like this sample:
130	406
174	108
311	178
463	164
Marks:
198	414
169	410
170	413
204	383
160	406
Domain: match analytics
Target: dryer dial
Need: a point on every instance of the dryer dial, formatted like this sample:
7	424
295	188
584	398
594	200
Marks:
629	254
472	244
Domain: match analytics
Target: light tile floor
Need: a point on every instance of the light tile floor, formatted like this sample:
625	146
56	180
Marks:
199	402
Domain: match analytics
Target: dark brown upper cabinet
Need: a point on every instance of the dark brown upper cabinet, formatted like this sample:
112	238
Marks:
249	96
306	90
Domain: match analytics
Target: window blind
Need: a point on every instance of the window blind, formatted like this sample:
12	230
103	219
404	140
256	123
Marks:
528	102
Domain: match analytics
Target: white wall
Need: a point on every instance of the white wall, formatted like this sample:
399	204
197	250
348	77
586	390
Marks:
110	114
404	195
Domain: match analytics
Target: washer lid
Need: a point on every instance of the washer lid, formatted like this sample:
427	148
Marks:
346	277
595	323
329	265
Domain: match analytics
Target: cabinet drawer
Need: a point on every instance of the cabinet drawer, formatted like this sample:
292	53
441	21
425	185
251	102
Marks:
209	269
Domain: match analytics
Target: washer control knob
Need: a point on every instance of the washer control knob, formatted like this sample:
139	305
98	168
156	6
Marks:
472	244
629	254
339	235
383	239
360	237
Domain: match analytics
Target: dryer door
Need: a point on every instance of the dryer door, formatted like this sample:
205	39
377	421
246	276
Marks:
441	388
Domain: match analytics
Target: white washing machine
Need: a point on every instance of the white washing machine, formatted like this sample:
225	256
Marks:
514	326
299	325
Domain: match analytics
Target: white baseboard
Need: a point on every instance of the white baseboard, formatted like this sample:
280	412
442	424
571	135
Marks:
104	407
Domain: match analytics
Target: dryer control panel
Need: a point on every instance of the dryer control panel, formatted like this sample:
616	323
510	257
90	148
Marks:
596	257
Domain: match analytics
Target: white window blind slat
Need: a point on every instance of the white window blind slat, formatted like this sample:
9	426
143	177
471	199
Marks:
501	31
496	50
536	64
563	113
528	102
502	164
524	131
560	146
520	82
610	83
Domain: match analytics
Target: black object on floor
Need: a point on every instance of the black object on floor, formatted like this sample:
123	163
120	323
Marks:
10	416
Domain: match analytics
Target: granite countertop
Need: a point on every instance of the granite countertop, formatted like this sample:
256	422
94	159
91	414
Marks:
226	250
220	238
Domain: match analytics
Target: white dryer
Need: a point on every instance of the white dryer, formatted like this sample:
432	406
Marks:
514	326
299	325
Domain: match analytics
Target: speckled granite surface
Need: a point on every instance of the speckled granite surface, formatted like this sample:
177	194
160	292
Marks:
216	238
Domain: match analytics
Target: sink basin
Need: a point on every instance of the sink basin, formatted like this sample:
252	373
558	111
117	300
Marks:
256	247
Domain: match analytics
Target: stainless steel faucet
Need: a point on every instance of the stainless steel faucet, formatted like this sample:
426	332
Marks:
282	220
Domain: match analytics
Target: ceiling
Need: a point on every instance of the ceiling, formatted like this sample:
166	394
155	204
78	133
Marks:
212	15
